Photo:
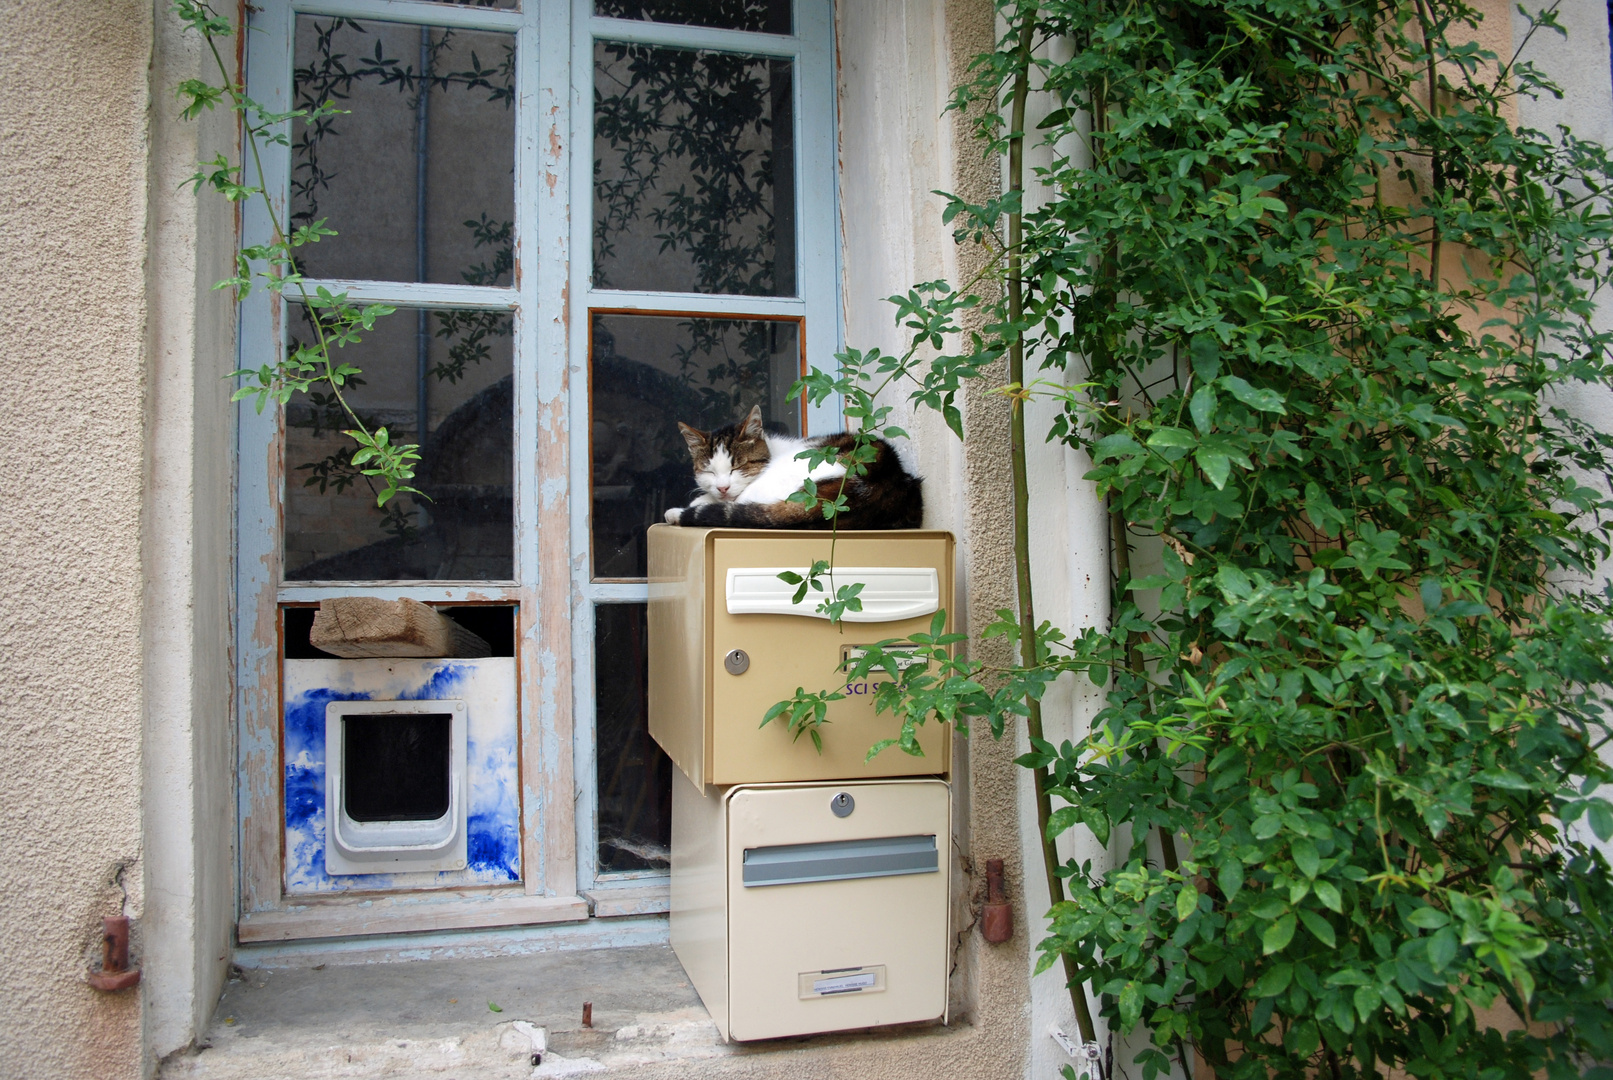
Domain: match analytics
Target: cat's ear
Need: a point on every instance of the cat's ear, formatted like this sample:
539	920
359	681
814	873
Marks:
753	423
699	442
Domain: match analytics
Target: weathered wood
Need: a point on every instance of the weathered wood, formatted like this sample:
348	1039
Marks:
355	627
638	900
352	916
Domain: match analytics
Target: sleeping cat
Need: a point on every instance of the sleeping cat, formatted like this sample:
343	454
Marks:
746	476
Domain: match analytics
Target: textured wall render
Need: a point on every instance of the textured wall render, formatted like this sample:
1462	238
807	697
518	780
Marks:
898	64
72	209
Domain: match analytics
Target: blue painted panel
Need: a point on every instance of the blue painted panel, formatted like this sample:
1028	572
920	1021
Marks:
492	777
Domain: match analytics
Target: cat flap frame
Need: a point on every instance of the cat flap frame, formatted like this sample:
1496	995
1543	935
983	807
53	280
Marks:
709	721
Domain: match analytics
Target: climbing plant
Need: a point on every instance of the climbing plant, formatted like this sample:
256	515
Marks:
1313	302
335	321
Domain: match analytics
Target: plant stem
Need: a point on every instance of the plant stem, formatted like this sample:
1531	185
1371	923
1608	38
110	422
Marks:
1118	532
1426	23
1022	551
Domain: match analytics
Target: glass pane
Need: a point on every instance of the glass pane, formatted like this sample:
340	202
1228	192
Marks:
763	16
650	372
418	187
449	373
635	777
506	4
694	171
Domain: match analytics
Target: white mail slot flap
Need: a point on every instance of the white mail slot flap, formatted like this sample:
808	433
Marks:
888	593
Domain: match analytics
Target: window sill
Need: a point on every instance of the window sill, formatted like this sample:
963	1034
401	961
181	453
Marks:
357	916
437	1016
616	902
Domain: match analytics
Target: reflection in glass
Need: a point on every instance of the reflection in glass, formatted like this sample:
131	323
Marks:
694	171
417	185
762	16
647	374
458	390
634	776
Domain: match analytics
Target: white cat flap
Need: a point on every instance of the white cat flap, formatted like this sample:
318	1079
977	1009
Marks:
888	593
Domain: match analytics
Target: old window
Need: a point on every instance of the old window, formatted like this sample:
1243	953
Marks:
595	218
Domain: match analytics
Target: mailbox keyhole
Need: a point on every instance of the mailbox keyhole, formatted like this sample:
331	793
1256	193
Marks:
736	662
843	804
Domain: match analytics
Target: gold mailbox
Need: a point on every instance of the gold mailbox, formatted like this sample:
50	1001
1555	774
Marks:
726	643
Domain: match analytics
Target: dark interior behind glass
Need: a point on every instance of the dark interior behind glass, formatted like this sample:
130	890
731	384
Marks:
395	766
761	16
648	374
634	775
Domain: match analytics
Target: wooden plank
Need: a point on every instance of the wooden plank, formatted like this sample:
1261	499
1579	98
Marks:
414	11
610	903
549	859
694	37
357	917
359	627
419	294
260	462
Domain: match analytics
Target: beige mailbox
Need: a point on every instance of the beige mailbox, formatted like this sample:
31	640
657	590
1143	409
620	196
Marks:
726	642
809	890
805	908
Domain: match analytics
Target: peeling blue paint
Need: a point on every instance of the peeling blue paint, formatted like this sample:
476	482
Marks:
493	805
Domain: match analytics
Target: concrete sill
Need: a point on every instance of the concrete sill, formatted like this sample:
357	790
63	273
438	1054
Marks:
435	1018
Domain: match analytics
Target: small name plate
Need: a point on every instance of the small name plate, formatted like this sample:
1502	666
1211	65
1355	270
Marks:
863	980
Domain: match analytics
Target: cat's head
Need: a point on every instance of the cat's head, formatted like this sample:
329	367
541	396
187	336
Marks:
728	459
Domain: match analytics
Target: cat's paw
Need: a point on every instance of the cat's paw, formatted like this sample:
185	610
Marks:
674	515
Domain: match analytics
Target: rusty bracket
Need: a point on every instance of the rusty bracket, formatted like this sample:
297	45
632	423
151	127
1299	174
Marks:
997	918
115	973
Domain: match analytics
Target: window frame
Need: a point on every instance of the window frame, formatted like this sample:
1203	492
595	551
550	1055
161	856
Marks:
549	299
816	309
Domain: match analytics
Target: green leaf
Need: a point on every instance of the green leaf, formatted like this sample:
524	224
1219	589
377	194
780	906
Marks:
1302	1039
1187	902
491	1007
1171	437
1202	408
1320	927
1217	466
1328	894
1442	949
1429	918
1256	398
1230	878
1277	936
1061	819
1273	981
1266	826
1206	353
1599	816
1305	857
1131	1005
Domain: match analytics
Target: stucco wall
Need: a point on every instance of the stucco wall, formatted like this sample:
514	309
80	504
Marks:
72	210
898	63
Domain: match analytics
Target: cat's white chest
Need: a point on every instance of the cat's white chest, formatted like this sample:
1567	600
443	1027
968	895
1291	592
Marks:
785	474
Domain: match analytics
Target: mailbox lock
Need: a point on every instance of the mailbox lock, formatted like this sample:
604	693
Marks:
843	804
736	662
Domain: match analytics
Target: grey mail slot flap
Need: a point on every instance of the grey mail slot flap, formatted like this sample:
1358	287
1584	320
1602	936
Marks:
839	860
